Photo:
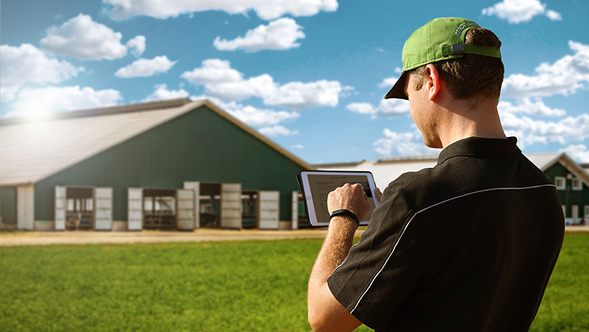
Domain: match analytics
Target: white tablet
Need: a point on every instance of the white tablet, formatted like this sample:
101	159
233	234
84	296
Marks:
316	185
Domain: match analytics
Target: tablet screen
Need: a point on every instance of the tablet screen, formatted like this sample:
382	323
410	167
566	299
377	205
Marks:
316	185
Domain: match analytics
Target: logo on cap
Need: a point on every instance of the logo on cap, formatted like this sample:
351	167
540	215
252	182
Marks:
462	26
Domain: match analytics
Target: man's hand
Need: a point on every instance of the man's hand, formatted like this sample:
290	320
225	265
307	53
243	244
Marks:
350	197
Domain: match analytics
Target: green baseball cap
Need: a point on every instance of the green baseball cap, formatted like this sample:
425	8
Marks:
439	39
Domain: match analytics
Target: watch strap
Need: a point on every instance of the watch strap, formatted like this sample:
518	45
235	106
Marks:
344	212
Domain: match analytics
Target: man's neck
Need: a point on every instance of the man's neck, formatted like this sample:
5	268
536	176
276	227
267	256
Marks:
470	119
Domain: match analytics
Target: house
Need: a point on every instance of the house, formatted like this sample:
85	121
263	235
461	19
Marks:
571	180
176	164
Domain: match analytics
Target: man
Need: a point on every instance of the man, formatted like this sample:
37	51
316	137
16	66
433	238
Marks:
468	245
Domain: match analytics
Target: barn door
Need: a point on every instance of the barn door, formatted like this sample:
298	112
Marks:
25	209
295	209
231	205
135	209
269	209
185	214
103	208
60	206
195	186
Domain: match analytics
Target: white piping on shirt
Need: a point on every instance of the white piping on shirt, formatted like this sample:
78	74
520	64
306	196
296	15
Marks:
425	209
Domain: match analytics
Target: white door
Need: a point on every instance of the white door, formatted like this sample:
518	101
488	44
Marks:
295	209
185	216
269	208
231	205
60	206
575	215
195	186
103	208
25	207
135	209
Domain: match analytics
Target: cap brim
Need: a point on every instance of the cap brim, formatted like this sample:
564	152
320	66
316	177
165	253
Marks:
398	90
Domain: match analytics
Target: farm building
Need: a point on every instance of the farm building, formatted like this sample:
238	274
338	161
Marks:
571	180
177	164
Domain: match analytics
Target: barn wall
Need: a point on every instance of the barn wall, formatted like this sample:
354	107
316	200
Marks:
200	145
8	205
569	197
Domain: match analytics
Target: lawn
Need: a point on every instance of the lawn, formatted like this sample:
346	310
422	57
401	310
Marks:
208	286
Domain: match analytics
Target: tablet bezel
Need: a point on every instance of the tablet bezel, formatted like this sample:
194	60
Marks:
307	196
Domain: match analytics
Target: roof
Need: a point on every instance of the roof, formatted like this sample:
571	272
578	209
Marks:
387	169
384	170
33	150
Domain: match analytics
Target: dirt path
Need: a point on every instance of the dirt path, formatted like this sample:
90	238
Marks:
84	237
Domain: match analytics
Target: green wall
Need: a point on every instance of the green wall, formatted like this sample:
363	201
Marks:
8	205
568	196
200	145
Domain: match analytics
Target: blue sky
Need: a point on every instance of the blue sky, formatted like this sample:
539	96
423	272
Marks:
309	74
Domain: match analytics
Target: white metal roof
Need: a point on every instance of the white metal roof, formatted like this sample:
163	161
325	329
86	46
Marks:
385	170
31	151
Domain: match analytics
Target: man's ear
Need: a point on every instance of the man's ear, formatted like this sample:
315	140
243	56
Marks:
433	82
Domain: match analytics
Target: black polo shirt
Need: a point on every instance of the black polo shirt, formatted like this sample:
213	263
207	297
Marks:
468	245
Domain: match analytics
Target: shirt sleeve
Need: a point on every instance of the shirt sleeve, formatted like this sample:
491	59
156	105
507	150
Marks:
384	267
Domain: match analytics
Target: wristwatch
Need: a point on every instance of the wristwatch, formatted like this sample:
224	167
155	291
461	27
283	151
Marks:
344	212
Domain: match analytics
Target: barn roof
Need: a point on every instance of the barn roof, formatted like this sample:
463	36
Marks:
387	169
31	150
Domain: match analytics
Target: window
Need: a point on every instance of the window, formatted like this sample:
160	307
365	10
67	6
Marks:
586	211
560	182
577	184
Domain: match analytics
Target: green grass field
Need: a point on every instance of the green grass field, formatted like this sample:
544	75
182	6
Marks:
212	286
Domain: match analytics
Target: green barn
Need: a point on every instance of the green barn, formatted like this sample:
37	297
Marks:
571	180
176	164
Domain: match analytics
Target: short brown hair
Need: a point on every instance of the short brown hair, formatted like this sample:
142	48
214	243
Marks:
471	75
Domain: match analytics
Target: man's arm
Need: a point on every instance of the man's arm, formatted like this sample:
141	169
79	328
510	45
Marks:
325	313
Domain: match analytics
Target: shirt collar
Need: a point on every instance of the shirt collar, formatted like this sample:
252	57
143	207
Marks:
503	148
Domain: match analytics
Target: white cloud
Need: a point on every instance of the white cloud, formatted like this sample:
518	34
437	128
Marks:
262	117
277	131
565	76
161	92
526	106
258	86
226	83
266	10
388	82
517	11
402	144
298	146
213	71
27	64
255	116
578	152
300	96
388	108
136	45
553	15
53	99
281	34
529	131
146	67
85	39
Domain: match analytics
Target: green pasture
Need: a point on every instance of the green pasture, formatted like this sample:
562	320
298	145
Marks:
207	286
